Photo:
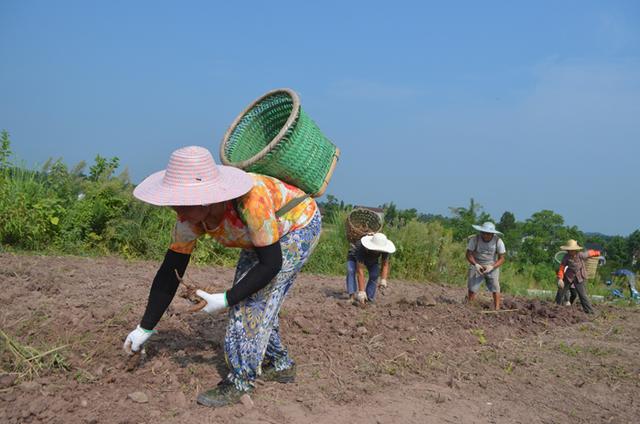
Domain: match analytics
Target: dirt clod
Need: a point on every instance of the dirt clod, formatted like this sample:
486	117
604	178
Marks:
177	399
362	331
138	397
247	401
30	386
425	301
7	380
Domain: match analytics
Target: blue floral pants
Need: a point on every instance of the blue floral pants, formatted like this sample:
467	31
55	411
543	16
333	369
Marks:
253	332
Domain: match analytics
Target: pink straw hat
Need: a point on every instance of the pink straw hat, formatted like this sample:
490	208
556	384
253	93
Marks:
193	178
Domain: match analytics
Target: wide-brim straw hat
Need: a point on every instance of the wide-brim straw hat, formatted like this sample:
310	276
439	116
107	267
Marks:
487	227
378	242
571	245
193	178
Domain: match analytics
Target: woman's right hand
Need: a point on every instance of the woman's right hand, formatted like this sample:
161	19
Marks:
361	297
560	283
136	339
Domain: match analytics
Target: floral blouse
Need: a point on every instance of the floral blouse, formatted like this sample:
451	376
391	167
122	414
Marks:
250	220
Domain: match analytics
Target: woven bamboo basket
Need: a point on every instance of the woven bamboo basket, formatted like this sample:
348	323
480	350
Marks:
274	136
361	222
591	265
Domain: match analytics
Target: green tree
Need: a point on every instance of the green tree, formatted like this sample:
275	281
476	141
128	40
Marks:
633	246
390	213
463	218
103	168
543	234
618	251
507	222
407	215
330	207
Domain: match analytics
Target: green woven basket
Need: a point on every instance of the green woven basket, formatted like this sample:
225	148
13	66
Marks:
275	137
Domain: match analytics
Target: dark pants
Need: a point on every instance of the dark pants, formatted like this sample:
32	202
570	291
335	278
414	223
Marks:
582	294
569	296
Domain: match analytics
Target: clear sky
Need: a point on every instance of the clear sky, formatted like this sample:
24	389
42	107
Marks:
521	105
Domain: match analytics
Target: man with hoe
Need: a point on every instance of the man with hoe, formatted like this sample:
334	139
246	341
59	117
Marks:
485	253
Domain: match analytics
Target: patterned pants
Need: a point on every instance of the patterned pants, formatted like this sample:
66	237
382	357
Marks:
253	331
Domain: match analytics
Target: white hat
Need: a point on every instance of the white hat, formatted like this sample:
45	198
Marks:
487	227
378	242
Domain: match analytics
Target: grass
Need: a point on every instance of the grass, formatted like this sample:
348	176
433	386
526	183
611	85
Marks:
27	361
479	333
569	350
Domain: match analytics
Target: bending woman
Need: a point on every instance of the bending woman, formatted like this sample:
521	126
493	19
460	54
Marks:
275	224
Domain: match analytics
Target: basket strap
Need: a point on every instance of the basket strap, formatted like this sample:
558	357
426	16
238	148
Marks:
291	204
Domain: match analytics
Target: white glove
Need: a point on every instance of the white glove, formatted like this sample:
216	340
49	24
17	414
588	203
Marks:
488	269
560	283
136	339
383	283
215	301
361	296
479	268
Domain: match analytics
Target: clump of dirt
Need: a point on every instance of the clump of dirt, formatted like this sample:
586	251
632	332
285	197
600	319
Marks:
419	353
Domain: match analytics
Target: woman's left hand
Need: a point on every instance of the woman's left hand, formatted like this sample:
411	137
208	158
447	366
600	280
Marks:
215	301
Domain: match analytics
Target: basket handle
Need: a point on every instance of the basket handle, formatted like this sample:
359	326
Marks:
290	205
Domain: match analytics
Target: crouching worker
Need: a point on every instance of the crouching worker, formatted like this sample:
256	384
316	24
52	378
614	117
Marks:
368	253
274	224
573	271
630	281
485	253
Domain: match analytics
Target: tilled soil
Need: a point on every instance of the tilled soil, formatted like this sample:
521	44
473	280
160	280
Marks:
419	354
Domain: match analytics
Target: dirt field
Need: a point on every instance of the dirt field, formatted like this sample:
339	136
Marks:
418	355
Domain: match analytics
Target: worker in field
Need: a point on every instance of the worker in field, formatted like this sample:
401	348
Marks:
485	254
370	253
573	271
277	228
629	278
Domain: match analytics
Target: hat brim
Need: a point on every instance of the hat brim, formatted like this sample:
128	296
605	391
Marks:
230	184
568	248
485	230
367	241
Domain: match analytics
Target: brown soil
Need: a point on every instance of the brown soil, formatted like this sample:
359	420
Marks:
418	355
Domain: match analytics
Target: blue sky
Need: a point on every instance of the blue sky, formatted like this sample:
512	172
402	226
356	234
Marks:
521	105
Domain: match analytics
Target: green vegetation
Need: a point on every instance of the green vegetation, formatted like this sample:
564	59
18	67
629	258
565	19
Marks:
62	210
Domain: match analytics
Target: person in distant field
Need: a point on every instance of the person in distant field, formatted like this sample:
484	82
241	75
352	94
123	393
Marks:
371	252
630	278
486	253
573	271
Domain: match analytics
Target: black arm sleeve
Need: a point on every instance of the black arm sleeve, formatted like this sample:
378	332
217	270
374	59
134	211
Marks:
164	287
270	263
